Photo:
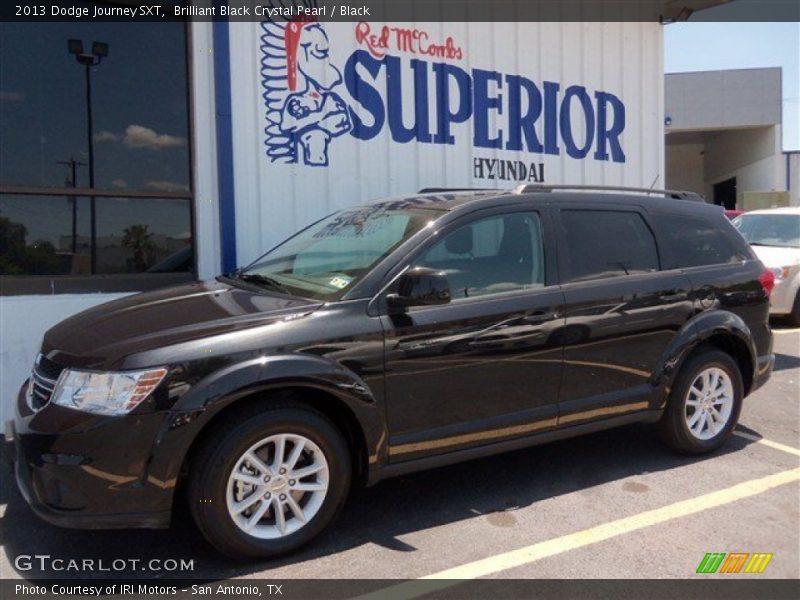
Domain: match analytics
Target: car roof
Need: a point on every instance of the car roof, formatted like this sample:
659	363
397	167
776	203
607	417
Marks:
451	199
784	210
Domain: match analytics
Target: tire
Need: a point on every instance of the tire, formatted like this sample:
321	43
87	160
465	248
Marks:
215	495
684	408
794	316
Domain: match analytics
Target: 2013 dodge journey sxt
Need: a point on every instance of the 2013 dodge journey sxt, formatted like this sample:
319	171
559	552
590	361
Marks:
392	337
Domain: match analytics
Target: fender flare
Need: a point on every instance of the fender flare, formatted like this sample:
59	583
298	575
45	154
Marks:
697	330
199	406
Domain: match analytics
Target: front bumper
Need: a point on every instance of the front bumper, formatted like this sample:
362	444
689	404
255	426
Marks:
88	472
781	301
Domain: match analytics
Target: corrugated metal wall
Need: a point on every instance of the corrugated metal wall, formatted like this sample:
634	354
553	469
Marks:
274	198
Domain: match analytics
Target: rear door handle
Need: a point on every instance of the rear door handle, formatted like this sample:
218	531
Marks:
671	297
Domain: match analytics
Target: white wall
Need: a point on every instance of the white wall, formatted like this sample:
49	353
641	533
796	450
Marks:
794	178
685	167
723	99
204	149
273	199
753	156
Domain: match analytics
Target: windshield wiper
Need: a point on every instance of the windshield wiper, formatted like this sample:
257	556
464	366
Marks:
263	281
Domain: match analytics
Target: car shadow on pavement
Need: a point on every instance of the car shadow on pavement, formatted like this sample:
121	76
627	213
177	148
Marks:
378	515
785	361
782	324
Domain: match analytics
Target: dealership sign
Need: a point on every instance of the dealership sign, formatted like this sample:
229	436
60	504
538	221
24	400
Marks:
405	82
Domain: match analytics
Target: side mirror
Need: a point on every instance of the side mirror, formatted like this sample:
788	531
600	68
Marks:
420	287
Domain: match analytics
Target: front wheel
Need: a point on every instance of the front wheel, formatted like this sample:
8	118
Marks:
269	481
704	404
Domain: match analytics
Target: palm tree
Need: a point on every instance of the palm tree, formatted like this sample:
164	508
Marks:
138	239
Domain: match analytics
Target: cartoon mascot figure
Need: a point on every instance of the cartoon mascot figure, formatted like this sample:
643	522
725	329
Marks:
303	113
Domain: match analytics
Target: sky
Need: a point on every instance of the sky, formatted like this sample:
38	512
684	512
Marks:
696	46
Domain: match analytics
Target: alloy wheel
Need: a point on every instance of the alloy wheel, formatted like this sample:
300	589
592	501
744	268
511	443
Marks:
277	486
709	403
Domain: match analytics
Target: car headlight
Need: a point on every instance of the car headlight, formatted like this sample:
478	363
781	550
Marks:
105	393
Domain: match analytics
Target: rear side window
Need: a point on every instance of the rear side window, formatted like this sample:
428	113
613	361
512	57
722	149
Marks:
695	242
602	244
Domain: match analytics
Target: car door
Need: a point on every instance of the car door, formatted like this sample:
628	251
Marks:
621	310
484	367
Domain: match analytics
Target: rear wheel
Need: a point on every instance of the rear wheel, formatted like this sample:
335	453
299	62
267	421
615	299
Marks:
270	481
704	403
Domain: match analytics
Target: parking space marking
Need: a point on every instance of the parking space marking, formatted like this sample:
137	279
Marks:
785	331
579	539
768	443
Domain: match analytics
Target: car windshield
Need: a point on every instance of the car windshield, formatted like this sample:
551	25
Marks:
328	258
770	230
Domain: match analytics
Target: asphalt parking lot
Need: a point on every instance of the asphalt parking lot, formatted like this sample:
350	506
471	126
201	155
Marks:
610	505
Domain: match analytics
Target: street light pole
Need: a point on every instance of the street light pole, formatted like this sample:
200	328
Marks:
73	164
99	51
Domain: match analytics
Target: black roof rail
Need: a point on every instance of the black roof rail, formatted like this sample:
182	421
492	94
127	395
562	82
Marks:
543	188
437	190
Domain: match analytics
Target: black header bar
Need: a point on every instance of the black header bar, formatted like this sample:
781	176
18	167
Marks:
717	588
664	11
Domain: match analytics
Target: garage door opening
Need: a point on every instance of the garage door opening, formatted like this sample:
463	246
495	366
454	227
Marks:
725	194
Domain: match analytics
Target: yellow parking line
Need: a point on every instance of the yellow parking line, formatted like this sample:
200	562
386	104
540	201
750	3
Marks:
579	539
768	443
785	331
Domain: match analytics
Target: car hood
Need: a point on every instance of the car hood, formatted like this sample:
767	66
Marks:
107	333
773	256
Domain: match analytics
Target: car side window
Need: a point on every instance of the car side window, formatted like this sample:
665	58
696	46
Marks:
492	255
696	243
605	243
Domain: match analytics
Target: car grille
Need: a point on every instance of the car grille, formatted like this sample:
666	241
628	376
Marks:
43	379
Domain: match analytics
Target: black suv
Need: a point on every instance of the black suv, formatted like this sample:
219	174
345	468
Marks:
387	338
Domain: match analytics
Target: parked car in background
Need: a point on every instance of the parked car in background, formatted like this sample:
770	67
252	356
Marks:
774	235
387	338
733	213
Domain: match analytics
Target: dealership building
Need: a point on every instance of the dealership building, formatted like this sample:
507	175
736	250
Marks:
140	155
723	137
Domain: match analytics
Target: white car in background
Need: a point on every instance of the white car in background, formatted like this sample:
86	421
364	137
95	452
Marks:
774	235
